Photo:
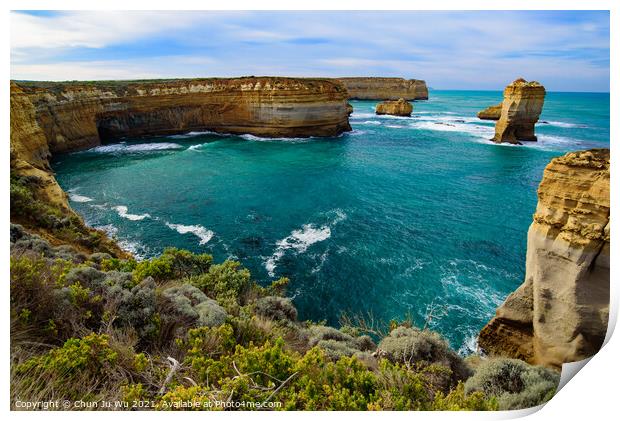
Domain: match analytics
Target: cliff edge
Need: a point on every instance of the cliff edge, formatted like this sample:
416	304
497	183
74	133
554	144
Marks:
559	314
80	115
384	88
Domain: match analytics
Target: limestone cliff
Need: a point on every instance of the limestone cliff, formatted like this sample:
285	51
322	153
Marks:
491	113
559	314
80	115
522	105
398	108
49	118
384	88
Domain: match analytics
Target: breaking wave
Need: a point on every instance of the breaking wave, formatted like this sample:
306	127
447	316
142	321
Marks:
123	213
199	231
74	197
137	147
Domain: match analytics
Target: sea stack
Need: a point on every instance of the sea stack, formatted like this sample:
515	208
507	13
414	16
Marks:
559	314
400	108
521	108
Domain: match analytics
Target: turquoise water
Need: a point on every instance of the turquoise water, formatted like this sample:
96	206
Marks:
397	215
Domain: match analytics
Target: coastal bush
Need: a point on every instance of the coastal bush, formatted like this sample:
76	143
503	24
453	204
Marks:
257	351
514	383
173	264
411	346
337	343
276	308
78	363
225	282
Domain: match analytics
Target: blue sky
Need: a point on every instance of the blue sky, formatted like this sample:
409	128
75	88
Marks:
565	50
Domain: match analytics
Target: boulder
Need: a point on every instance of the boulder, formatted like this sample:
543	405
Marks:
398	108
491	113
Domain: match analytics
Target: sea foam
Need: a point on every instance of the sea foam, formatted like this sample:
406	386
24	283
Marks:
79	198
138	147
199	231
123	213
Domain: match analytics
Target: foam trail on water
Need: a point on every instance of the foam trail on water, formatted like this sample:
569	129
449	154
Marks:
138	147
299	240
199	231
123	213
74	197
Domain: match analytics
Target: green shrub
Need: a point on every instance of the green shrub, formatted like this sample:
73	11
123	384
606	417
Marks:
415	347
187	302
325	385
276	308
173	264
225	282
336	343
514	383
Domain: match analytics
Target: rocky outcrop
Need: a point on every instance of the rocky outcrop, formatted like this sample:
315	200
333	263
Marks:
491	113
349	109
559	314
399	108
384	88
522	105
80	115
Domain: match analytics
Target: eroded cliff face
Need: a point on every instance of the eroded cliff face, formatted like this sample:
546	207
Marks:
398	108
521	108
384	88
559	314
78	115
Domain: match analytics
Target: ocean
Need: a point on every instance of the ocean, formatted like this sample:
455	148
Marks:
399	216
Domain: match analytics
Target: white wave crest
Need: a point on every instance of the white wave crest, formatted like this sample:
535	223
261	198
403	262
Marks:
194	134
199	231
561	124
476	130
74	197
122	212
138	147
298	240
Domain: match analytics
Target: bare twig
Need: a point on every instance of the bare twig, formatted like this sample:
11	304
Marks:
174	367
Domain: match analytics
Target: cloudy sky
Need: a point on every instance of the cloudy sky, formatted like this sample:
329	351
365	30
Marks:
566	51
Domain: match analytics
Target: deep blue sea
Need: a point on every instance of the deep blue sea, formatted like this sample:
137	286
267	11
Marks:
398	214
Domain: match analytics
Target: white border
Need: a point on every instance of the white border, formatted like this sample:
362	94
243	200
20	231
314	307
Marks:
590	395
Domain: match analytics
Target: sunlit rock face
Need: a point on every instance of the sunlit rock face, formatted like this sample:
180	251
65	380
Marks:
491	113
559	314
384	88
80	115
399	108
521	108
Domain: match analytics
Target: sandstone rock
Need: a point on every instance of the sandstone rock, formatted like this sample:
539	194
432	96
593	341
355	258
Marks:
491	113
384	88
522	105
559	314
79	115
399	108
349	109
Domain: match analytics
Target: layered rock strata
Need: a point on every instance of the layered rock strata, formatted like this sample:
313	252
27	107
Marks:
521	108
384	88
491	113
398	108
559	314
80	115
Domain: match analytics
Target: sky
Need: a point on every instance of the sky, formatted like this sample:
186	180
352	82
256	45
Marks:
564	50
